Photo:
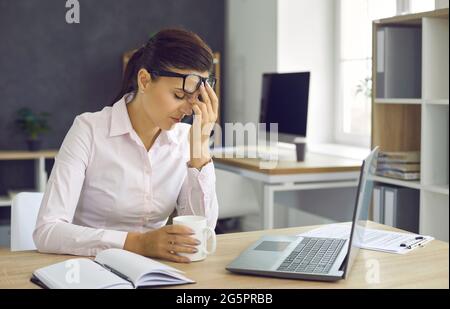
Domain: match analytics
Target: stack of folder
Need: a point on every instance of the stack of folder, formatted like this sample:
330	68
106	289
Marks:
399	165
396	206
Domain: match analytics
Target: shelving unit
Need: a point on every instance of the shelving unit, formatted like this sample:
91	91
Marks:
420	124
411	101
437	102
398	101
397	182
441	189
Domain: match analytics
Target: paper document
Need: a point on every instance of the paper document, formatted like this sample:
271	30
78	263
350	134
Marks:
377	240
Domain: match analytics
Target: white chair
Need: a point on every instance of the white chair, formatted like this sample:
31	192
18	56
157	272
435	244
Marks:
237	196
24	211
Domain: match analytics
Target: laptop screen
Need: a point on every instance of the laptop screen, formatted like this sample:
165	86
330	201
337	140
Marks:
361	212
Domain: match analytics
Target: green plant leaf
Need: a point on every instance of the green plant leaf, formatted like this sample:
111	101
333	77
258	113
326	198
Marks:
32	124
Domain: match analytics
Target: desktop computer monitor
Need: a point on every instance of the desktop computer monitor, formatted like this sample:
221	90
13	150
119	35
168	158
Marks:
284	101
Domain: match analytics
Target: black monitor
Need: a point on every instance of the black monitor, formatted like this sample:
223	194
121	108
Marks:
285	101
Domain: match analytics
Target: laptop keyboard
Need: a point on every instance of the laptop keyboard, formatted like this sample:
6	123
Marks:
312	255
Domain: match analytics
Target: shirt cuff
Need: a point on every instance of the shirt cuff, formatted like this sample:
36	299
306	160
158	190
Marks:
205	177
114	239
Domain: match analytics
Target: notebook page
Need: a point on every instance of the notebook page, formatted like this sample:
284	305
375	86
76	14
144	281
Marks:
163	279
135	266
79	273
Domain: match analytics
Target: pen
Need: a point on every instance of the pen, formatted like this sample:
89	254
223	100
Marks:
417	242
116	273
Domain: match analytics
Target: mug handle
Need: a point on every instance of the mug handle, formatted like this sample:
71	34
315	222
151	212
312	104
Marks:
209	234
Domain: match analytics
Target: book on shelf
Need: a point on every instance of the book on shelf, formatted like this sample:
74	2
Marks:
111	269
396	206
399	167
399	175
404	165
399	157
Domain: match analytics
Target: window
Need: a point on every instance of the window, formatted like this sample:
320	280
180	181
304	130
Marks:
414	6
354	62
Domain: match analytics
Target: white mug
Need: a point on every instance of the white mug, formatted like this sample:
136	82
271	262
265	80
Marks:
202	233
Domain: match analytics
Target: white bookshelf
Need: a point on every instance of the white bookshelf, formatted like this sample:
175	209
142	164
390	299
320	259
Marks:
443	102
398	101
397	182
440	189
437	102
421	123
434	218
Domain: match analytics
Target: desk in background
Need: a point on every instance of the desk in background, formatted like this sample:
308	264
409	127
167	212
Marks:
39	157
422	268
318	171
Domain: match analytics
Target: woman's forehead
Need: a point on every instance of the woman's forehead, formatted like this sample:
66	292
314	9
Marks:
202	74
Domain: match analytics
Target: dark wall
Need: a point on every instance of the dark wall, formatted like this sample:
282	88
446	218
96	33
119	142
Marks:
68	69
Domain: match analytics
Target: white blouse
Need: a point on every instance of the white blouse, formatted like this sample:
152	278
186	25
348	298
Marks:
104	184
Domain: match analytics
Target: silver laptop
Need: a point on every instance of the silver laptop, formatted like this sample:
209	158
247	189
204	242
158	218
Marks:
325	259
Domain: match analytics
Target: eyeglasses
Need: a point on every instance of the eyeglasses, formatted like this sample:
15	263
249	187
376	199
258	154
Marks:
191	82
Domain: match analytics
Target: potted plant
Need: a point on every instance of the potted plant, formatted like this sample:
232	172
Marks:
364	87
33	125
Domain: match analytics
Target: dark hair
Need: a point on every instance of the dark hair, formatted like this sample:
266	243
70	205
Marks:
169	48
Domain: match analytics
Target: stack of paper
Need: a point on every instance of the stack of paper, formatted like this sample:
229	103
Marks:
377	240
400	165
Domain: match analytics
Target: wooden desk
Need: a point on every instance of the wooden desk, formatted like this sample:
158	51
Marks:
314	163
318	171
422	268
39	166
27	155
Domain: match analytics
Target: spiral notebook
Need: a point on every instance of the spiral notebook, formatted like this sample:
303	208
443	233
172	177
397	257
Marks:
111	269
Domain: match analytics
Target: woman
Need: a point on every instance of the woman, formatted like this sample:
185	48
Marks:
122	171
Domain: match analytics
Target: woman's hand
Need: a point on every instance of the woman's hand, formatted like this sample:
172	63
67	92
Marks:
205	117
163	243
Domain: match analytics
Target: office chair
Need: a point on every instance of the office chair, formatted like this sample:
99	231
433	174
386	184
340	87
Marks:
24	211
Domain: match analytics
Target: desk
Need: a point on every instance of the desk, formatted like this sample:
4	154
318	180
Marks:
39	159
318	171
422	268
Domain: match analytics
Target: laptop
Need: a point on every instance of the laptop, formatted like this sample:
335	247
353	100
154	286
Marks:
311	258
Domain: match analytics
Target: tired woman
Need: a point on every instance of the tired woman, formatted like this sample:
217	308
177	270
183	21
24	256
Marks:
122	171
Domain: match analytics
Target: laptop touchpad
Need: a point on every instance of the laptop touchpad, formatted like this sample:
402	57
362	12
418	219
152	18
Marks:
272	245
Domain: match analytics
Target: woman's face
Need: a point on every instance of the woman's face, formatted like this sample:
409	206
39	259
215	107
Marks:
165	102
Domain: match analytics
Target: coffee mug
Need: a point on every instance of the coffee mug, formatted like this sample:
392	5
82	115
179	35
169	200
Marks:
202	233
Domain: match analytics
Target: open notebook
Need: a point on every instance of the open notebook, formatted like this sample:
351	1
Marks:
111	269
